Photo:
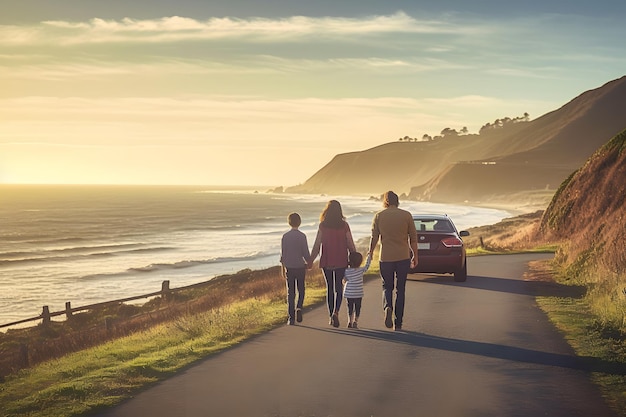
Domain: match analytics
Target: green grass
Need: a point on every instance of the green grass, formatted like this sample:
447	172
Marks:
478	251
587	331
105	375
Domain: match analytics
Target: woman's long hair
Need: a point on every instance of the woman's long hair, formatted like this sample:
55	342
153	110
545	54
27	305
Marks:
332	215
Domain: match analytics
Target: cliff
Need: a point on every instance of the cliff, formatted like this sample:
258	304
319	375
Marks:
588	210
527	157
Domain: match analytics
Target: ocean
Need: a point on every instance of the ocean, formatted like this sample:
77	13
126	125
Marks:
88	244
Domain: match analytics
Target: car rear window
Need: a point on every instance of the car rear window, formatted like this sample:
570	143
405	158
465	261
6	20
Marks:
433	225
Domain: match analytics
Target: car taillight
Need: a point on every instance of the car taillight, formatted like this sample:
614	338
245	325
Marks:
452	242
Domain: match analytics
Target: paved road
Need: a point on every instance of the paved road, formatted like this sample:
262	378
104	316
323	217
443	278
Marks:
477	349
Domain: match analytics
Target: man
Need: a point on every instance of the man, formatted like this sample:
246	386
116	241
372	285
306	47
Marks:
396	231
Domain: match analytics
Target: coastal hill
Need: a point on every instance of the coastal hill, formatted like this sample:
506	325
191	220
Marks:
588	212
499	162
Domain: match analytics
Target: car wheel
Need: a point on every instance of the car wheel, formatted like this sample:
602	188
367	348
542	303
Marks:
461	274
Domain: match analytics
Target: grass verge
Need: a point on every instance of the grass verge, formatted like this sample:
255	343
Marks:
103	376
478	251
584	331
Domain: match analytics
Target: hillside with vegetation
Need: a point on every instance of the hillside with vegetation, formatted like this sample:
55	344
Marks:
407	162
540	156
585	222
583	289
509	158
588	214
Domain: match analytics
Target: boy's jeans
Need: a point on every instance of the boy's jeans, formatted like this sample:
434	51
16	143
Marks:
295	281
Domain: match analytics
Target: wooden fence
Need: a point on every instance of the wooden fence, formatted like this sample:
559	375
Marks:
46	315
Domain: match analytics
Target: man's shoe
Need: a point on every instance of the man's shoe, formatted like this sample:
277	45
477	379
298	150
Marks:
299	315
354	326
335	320
350	325
290	323
397	327
388	318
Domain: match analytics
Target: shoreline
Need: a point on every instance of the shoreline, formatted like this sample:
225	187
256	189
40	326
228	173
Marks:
514	209
517	203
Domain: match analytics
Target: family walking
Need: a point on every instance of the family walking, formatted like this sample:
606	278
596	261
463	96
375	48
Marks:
342	265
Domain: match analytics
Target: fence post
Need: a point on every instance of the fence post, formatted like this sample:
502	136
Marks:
482	244
24	355
68	310
165	290
45	315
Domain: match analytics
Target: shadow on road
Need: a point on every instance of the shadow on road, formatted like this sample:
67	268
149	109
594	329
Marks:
511	353
513	286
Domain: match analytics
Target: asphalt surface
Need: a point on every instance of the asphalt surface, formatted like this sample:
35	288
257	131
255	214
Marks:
480	348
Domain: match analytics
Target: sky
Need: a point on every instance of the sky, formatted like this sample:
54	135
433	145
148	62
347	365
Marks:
250	92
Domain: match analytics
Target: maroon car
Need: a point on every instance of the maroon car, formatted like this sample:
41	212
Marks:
440	246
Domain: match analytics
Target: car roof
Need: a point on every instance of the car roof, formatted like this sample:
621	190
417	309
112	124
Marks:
431	217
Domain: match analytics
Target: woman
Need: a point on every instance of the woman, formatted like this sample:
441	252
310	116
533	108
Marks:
334	238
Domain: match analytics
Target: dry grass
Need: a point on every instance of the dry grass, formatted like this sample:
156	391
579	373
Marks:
106	374
509	235
27	347
587	217
195	324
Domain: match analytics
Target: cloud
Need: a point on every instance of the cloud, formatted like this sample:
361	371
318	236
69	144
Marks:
81	68
92	69
176	29
206	109
229	120
371	45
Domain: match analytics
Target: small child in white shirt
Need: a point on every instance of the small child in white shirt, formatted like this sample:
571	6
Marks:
353	286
